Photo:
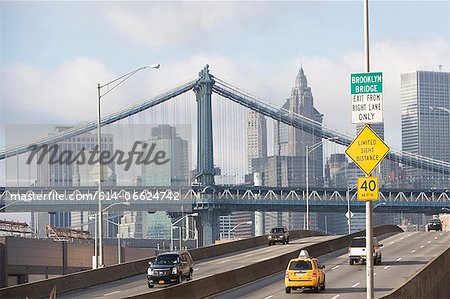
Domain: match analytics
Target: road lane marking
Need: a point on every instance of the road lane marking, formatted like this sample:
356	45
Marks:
435	237
355	285
412	251
335	297
441	234
386	267
268	297
195	269
115	292
429	242
399	259
392	242
335	267
421	246
224	261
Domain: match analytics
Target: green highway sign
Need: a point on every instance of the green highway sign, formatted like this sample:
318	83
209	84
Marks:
366	98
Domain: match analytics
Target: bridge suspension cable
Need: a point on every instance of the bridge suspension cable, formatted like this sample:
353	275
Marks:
312	127
89	126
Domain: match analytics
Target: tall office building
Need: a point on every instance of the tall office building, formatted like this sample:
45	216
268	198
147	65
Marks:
425	104
290	143
69	175
256	138
256	148
140	224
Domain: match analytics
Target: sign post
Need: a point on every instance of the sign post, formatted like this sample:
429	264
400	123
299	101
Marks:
367	108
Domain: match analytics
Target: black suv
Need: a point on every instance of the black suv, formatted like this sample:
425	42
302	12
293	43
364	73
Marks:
433	224
170	267
278	234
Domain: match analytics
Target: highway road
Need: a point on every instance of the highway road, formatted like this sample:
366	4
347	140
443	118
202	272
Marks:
138	284
403	254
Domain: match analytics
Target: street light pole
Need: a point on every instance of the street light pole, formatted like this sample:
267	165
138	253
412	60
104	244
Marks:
116	83
96	246
172	226
310	149
236	226
440	108
14	202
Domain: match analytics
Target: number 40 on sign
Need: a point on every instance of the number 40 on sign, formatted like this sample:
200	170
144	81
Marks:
368	188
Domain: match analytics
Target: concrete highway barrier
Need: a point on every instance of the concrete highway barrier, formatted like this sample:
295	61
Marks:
89	278
208	286
432	281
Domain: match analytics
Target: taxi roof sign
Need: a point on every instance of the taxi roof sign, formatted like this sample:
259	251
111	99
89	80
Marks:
367	150
304	253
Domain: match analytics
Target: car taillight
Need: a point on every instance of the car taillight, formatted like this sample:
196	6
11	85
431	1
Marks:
314	273
287	274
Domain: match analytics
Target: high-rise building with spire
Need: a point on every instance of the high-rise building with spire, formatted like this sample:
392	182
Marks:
290	141
287	168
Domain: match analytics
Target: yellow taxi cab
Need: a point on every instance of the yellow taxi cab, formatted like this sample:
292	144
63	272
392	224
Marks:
304	272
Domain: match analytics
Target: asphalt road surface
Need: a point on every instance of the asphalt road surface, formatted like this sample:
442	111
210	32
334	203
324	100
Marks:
138	284
403	254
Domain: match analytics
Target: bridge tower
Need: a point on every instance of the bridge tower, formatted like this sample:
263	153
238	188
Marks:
205	159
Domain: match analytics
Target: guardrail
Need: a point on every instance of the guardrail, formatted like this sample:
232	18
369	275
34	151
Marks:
89	278
208	286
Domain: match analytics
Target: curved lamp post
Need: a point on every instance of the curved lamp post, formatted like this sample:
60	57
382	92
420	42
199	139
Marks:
172	226
14	202
236	226
116	82
439	108
310	149
97	221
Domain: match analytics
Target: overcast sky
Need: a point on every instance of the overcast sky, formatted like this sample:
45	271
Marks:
53	54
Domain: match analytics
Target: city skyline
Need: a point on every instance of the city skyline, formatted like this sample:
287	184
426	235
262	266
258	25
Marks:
52	58
52	61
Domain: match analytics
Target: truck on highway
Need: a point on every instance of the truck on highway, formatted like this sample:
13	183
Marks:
357	250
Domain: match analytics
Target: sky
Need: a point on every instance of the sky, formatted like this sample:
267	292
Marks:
53	54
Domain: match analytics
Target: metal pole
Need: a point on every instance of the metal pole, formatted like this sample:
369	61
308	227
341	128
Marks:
196	236
307	188
369	251
171	237
369	231
349	212
118	248
95	265
181	235
100	216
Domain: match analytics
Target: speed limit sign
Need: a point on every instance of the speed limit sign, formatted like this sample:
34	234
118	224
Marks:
368	188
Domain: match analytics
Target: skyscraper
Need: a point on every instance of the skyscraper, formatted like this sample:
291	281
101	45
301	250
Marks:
292	142
425	100
140	224
256	138
51	174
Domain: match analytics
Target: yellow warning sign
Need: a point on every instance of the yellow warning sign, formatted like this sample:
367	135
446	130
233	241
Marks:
367	150
368	188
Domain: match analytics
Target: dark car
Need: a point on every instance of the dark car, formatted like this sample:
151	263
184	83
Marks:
278	234
434	224
170	267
